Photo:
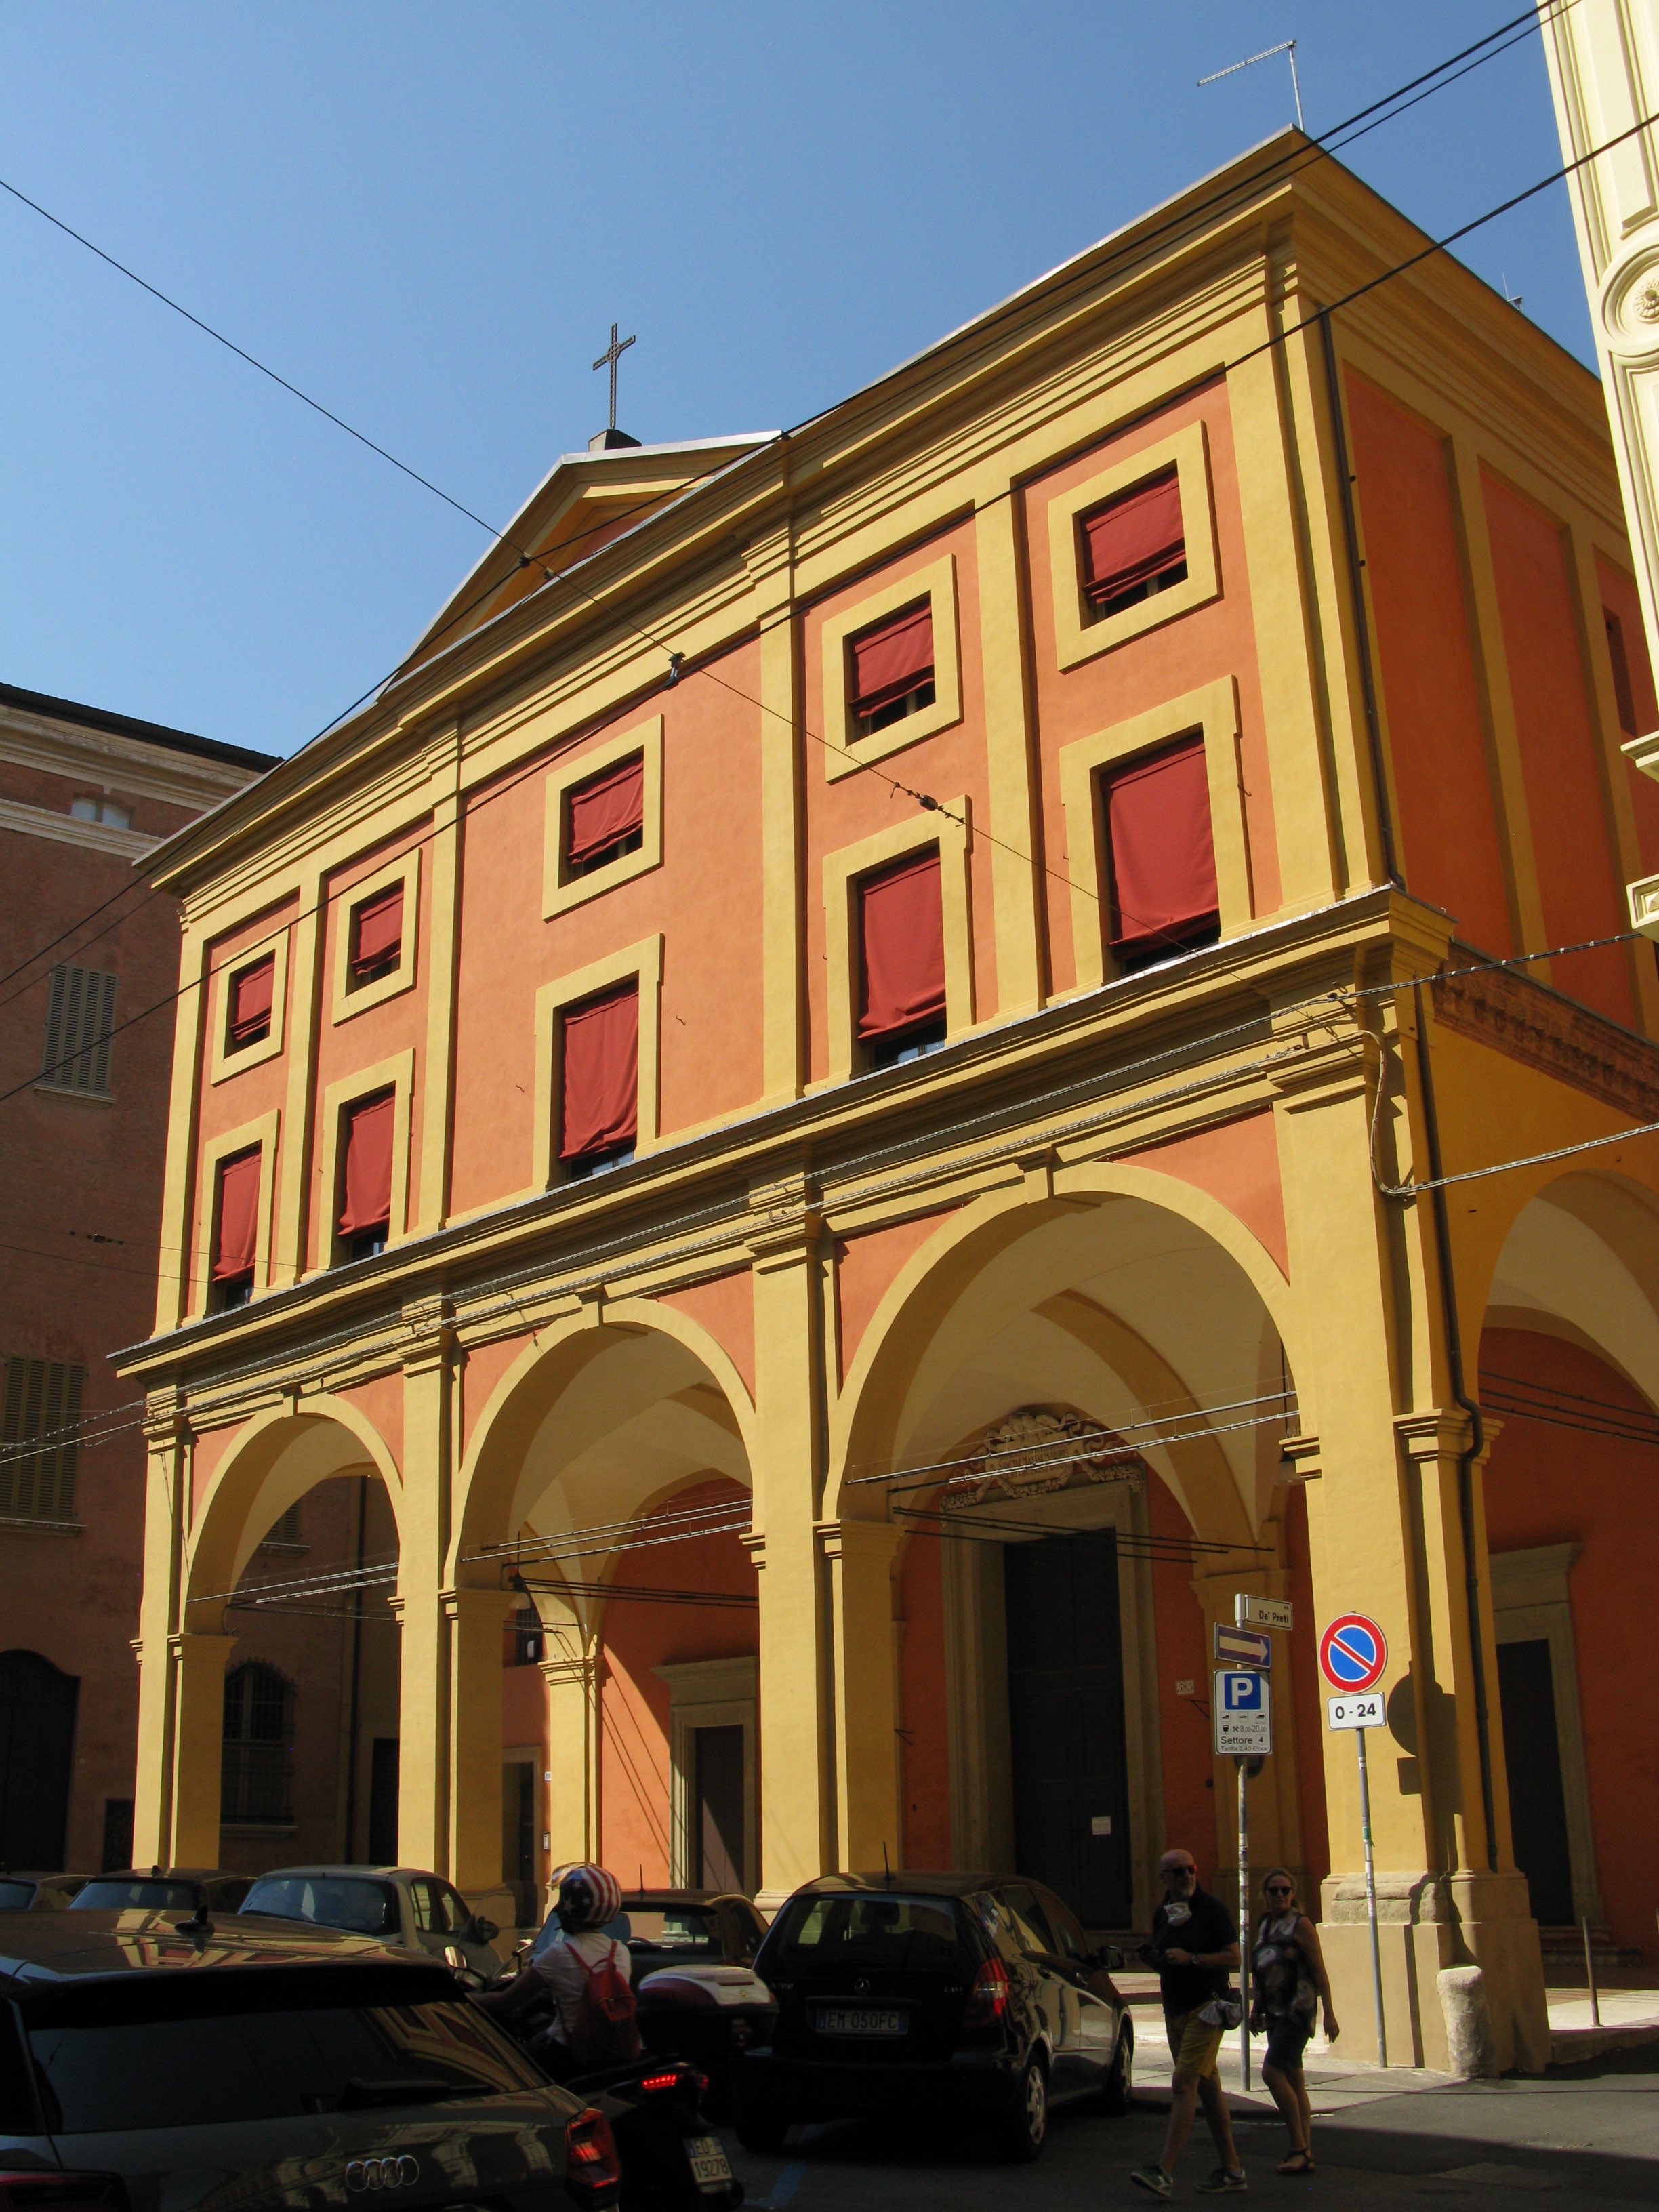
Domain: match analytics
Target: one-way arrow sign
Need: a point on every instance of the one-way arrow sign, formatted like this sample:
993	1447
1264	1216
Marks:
1242	1647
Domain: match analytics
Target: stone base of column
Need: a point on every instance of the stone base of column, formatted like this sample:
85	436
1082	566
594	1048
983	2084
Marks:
1427	1921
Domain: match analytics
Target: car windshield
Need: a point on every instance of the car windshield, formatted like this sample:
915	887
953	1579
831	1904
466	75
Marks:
878	1929
128	1896
688	1930
328	1901
17	1896
171	2050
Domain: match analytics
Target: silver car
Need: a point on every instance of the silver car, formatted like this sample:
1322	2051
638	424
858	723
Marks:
404	1905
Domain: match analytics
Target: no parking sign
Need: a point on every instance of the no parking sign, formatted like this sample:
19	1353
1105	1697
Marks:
1354	1653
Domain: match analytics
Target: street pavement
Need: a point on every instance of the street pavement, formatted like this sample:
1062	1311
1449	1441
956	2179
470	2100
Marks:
1578	2135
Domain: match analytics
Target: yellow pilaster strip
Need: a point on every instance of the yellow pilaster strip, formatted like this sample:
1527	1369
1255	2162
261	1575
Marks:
178	1192
771	568
305	982
424	1726
1260	407
431	1209
167	1491
1016	869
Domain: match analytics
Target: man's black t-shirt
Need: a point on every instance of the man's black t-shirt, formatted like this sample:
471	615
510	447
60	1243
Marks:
1207	1927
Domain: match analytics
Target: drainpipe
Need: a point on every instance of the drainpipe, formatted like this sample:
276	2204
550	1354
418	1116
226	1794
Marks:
1466	1458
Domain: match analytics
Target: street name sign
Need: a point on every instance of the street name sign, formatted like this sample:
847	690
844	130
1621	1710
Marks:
1261	1611
1243	1647
1354	1653
1364	1711
1243	1714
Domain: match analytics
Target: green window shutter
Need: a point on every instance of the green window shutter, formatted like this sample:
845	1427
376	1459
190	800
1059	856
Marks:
39	1413
79	1027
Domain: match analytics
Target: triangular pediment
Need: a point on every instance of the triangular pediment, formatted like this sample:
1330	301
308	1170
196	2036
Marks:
585	502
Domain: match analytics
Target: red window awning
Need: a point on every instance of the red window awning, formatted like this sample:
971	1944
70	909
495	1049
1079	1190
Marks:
377	933
892	659
236	1237
604	811
902	932
251	990
601	1074
366	1169
1133	539
1162	852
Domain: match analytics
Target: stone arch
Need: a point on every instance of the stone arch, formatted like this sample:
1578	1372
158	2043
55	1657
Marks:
1579	1259
1000	1236
581	1368
278	1456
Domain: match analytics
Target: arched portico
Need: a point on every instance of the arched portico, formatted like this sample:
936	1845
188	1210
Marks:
238	1591
1132	1310
578	1466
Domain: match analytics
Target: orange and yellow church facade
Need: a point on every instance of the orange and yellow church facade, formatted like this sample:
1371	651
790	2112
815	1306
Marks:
858	1095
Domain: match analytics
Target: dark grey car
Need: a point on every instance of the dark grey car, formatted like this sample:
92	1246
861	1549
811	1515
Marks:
234	2066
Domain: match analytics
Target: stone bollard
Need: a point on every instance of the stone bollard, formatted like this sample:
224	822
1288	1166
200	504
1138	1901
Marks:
1468	2023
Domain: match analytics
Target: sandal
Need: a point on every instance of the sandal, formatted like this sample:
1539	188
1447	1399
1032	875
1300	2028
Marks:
1299	2161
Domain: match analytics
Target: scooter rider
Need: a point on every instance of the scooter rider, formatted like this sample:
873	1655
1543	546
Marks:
589	1897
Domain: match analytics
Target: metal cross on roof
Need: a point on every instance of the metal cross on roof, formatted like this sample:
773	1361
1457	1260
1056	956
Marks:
612	354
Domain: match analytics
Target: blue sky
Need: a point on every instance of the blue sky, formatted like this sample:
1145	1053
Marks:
427	215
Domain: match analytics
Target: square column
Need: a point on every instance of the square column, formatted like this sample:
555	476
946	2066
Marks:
797	1788
860	1556
199	1668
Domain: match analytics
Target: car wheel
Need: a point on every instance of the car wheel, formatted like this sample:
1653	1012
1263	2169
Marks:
1117	2090
761	2131
1024	2132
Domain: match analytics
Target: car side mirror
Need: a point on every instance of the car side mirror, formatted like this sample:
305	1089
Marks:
483	1930
1109	1958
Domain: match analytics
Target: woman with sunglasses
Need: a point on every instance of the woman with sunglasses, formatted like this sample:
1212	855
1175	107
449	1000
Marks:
1290	1985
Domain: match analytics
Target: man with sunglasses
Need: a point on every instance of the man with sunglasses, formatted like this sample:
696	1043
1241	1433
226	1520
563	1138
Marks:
1194	1947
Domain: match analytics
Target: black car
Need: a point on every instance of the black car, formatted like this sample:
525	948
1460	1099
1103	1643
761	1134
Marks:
38	1893
162	1889
235	2068
974	1998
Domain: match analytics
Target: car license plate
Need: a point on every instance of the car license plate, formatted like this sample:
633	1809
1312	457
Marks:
709	2169
861	2019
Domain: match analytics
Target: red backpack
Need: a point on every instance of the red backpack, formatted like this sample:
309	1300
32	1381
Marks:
607	2019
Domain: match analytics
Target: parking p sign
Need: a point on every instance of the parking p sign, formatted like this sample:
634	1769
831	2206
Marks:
1243	1714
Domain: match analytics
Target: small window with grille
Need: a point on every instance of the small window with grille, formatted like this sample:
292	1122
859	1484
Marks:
80	1029
40	1421
257	1766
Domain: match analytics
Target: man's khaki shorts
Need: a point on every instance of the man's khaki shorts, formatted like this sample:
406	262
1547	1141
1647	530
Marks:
1195	2045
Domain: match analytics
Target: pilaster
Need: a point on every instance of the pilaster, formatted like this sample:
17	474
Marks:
287	1257
443	936
426	1624
771	568
198	1662
166	1489
861	1557
1016	828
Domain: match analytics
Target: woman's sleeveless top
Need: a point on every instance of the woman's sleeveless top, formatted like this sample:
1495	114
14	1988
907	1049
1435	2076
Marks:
1280	1967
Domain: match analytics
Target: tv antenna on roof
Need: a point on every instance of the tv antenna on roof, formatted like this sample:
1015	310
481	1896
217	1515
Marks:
1285	46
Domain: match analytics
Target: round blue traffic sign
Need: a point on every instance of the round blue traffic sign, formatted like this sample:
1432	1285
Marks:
1354	1653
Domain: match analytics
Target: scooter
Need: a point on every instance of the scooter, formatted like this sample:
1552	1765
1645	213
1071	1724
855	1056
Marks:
670	2156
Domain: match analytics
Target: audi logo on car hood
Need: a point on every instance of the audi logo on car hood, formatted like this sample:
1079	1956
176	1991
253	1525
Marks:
382	2173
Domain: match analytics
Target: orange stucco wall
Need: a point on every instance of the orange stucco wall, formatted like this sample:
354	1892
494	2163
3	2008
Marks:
866	1267
725	1308
1237	1164
1210	643
1183	1726
364	1039
705	899
924	1749
1443	789
1549	1484
1619	597
1582	895
949	766
641	1635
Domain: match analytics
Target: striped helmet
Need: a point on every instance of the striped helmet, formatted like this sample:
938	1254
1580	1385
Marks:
588	1898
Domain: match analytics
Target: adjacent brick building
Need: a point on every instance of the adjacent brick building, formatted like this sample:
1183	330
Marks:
85	946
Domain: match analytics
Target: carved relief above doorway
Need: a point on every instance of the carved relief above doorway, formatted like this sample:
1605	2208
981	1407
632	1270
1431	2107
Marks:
1034	1451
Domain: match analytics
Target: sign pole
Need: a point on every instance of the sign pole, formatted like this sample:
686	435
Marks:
1359	1736
1244	1922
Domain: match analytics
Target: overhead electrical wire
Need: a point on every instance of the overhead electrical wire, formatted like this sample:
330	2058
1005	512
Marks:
1422	85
